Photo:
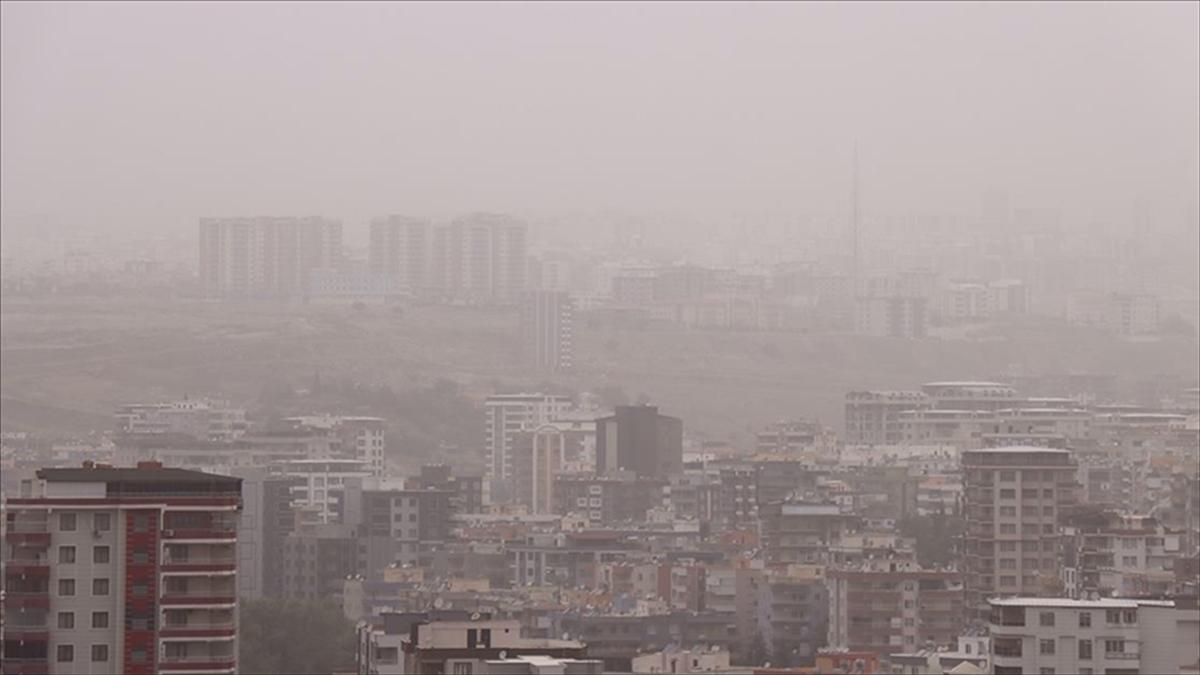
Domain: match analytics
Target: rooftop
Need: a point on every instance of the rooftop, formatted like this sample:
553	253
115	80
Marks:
1106	603
143	473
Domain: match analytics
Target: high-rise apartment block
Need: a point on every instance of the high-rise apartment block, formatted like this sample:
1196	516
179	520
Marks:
265	258
1013	499
508	415
481	258
122	570
547	322
639	439
400	249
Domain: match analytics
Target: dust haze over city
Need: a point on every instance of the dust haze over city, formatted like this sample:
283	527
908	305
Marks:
600	337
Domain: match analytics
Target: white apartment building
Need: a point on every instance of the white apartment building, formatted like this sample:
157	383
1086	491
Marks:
508	415
1056	636
360	438
204	419
322	483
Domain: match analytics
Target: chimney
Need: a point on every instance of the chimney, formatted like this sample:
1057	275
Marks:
149	465
89	464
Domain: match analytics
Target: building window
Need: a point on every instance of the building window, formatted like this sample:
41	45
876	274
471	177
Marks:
99	619
141	589
1045	671
100	653
1114	646
1085	650
1008	476
66	555
101	522
66	587
100	555
1085	619
66	522
65	653
141	523
1112	616
1130	616
1046	647
138	656
1008	494
462	669
66	620
141	558
99	586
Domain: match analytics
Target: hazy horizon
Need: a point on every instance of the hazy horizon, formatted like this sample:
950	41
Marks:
131	117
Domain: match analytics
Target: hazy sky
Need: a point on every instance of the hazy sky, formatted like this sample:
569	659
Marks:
150	115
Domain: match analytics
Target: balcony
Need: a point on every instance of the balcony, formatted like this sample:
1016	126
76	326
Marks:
213	597
201	566
37	566
31	538
199	631
200	663
15	666
16	600
214	533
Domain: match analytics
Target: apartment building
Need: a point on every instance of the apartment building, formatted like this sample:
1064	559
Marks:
266	257
480	258
202	419
537	460
400	249
639	439
130	570
1055	636
1013	499
506	415
894	316
321	483
800	531
886	606
874	417
547	327
350	437
792	436
793	614
617	497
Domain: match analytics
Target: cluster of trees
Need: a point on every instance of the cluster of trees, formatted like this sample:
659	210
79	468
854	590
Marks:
937	537
289	636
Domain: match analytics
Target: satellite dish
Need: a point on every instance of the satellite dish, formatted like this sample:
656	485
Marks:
503	654
474	616
439	603
566	636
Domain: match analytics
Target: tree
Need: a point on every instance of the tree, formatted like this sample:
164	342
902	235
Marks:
936	535
754	654
288	636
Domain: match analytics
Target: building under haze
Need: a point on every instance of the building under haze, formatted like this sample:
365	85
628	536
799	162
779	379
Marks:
1013	499
547	324
265	257
122	570
400	249
507	415
638	439
481	258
